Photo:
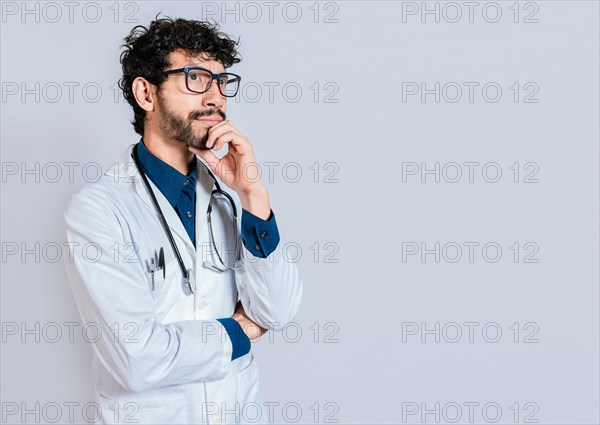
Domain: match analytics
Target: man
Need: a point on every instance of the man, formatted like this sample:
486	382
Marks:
174	302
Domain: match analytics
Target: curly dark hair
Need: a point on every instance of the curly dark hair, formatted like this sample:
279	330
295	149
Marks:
147	50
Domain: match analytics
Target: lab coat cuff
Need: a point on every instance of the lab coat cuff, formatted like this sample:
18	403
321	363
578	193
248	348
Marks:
260	237
239	340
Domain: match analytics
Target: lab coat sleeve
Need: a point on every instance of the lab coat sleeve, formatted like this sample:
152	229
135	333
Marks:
112	294
270	288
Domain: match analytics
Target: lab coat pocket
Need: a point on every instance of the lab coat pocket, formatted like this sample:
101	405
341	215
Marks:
170	409
158	281
248	391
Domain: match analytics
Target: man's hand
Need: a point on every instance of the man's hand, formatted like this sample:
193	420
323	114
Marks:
238	168
251	329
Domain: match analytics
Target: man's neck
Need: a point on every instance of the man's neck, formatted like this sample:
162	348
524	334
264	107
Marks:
173	153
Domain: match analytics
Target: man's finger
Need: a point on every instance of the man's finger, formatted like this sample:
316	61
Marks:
240	144
216	130
226	137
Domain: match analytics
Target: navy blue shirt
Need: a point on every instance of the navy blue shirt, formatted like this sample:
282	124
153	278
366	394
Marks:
259	236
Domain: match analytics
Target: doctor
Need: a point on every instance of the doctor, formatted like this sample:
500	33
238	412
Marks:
178	286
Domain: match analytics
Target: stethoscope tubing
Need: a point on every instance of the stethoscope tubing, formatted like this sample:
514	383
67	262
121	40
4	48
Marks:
162	219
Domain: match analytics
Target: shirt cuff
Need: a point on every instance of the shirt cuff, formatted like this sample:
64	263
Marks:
260	236
239	339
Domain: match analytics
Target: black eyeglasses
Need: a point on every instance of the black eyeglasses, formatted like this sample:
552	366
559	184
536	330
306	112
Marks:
199	80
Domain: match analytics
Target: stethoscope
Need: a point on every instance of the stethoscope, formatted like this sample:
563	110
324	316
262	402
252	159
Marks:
188	277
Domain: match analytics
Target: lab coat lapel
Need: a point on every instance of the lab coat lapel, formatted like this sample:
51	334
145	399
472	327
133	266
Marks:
127	170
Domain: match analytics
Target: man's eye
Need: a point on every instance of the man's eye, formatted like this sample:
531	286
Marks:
193	77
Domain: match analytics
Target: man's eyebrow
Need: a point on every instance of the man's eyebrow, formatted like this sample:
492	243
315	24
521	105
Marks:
195	65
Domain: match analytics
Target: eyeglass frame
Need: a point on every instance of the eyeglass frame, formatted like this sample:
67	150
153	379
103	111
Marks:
213	76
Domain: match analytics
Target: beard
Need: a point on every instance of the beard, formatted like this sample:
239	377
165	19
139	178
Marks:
182	129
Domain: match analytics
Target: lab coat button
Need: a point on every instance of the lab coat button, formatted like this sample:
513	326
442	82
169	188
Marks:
203	304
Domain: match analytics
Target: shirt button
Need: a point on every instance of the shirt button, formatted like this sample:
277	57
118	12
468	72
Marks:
257	247
189	214
187	181
263	234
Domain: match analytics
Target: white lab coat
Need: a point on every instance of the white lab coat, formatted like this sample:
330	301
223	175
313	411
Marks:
159	355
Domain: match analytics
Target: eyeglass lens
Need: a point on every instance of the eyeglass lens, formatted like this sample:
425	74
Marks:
199	81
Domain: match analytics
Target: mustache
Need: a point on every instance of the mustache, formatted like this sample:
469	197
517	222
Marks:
208	113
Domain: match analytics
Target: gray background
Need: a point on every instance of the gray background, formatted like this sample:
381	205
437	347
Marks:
363	366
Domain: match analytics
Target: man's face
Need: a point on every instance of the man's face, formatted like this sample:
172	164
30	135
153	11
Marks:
186	116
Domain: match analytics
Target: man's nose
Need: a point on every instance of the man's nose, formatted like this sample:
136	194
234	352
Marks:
213	97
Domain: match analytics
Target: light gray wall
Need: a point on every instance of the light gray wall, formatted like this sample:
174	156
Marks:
364	354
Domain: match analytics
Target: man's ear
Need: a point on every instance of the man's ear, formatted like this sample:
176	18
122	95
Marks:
144	93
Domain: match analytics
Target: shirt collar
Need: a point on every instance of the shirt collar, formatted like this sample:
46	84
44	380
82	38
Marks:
168	180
